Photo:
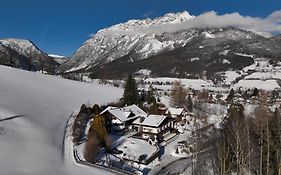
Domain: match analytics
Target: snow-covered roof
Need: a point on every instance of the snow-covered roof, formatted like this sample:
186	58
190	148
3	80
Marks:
175	111
151	120
116	121
108	108
122	116
135	109
126	113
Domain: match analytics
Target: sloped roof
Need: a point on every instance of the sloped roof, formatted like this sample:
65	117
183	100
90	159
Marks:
175	111
125	113
134	109
108	108
151	120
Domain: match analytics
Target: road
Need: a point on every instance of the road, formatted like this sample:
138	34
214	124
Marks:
179	166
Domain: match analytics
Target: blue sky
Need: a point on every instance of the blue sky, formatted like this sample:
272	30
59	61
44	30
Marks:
61	26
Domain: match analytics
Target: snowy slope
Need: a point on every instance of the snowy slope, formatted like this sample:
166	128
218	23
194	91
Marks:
267	85
32	142
197	84
56	56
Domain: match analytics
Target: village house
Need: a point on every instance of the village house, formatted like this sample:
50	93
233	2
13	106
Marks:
179	114
154	127
119	120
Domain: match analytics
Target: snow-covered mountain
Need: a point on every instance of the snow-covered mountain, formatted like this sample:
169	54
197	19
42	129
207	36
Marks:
139	25
23	47
121	39
149	44
26	55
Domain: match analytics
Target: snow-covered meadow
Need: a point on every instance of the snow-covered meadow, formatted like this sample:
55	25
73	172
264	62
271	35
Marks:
34	109
197	84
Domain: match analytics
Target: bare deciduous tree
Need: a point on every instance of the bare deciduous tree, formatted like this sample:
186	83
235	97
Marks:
262	117
178	95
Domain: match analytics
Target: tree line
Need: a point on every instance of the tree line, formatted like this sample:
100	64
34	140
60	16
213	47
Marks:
249	144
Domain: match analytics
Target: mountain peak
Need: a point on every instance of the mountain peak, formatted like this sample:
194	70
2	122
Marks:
24	54
134	24
19	42
177	17
22	46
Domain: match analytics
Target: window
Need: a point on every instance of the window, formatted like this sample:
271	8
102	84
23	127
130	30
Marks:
135	128
149	130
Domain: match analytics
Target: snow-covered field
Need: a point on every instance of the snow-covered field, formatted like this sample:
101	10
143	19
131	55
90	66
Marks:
261	74
268	85
264	75
197	84
34	109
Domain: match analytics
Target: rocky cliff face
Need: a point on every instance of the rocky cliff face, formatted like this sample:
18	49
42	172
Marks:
134	36
24	54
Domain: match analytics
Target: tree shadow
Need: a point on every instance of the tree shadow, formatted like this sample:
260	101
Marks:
10	118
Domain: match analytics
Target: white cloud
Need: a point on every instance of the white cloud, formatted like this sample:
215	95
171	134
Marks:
275	17
265	26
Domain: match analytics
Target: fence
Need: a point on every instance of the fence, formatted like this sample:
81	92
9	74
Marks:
111	169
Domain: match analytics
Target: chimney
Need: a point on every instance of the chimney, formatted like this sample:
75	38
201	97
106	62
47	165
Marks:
141	119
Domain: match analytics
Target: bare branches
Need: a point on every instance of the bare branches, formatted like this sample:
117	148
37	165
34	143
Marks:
178	95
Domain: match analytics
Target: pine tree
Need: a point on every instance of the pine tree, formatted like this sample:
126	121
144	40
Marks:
150	95
189	104
230	96
130	95
158	100
169	114
96	109
256	92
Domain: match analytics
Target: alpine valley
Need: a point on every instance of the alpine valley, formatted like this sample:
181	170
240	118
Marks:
149	44
152	45
169	95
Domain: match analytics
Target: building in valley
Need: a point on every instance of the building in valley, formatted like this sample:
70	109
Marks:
118	120
155	127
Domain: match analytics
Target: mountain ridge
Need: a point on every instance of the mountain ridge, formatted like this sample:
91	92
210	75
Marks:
24	54
133	42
